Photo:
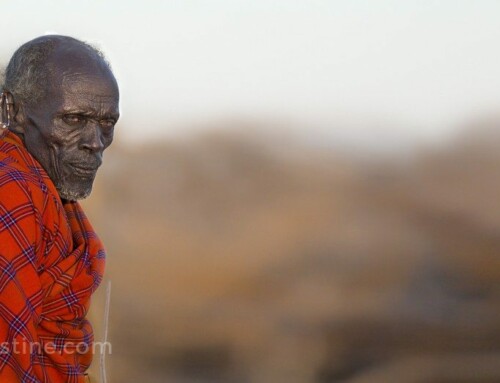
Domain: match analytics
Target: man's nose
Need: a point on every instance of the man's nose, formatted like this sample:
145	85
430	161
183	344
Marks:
92	138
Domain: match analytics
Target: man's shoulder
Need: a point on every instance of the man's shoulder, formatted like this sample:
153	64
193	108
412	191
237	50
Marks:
22	181
12	174
27	202
18	165
19	185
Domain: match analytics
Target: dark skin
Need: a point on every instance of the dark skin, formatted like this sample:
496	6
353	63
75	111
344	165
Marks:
68	131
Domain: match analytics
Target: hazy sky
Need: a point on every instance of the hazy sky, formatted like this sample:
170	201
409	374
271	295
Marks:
415	67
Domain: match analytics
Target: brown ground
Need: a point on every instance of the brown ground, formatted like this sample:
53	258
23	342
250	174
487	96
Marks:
232	261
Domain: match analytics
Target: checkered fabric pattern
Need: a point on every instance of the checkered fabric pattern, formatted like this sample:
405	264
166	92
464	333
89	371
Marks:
51	261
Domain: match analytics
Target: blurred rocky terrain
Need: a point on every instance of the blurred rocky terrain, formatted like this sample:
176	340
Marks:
246	258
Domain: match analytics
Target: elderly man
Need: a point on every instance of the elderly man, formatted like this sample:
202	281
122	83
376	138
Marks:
58	109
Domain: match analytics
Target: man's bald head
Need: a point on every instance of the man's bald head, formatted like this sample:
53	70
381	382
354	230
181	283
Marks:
34	64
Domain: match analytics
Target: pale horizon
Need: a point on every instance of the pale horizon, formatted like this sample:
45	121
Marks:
418	70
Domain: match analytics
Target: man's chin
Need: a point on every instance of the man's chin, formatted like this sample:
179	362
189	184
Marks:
74	194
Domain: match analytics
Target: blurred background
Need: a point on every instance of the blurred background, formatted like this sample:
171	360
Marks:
299	191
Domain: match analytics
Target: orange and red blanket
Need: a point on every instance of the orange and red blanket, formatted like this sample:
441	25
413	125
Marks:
51	261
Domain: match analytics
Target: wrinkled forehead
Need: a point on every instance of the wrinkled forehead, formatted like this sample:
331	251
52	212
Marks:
88	84
76	70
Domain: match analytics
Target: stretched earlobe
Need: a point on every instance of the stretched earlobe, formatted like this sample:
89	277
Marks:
12	114
5	104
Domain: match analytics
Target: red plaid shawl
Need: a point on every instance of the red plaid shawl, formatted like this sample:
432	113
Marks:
51	261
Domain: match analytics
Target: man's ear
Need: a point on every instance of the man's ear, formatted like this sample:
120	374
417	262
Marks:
13	113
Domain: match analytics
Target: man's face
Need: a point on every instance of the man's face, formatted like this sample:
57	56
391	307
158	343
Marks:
68	131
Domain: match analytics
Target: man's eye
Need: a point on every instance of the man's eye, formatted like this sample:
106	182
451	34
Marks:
107	124
73	119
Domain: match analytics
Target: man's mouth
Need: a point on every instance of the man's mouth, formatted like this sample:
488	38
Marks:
84	170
